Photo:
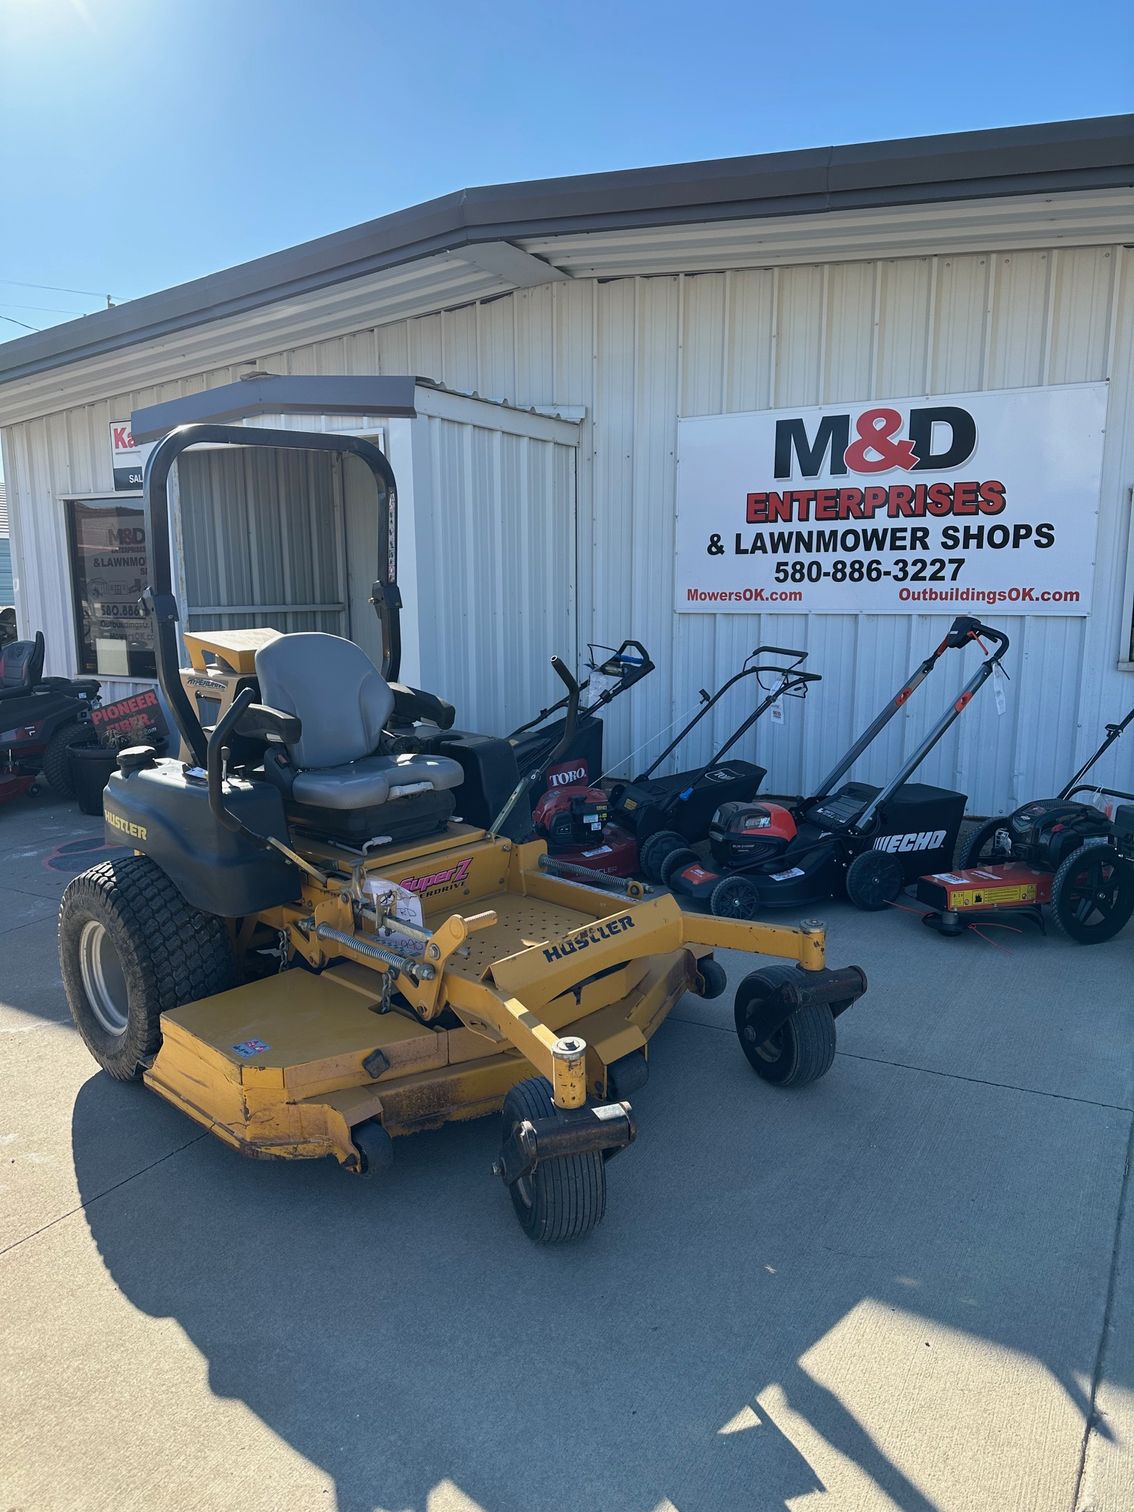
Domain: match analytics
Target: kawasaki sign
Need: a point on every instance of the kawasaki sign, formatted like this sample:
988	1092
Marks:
899	506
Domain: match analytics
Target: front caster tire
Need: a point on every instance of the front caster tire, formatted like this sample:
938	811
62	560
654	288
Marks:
801	1050
874	880
1092	894
559	1199
714	978
129	948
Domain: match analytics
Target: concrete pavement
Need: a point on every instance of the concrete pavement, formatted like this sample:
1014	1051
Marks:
909	1286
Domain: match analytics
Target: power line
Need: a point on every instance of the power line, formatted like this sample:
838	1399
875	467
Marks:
10	304
20	283
23	323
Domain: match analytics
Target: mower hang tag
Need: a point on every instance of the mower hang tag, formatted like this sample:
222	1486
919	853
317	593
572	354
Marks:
776	712
597	684
998	692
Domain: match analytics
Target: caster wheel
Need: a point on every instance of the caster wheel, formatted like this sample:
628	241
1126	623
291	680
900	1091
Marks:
1092	894
375	1146
33	791
676	861
560	1199
713	978
874	880
734	898
654	851
802	1049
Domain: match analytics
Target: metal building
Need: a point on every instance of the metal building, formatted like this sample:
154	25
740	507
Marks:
985	264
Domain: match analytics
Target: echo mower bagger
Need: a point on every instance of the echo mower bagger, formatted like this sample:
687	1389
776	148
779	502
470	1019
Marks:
864	840
39	718
309	956
1077	857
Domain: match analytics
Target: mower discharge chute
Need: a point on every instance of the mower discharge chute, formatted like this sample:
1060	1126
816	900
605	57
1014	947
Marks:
309	956
872	841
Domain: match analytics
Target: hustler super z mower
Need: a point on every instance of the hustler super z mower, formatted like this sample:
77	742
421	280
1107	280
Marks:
40	717
866	841
1074	855
309	957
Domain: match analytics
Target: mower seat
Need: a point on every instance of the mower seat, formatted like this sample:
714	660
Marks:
21	667
343	704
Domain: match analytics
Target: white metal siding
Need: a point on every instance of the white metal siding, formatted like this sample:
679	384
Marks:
636	353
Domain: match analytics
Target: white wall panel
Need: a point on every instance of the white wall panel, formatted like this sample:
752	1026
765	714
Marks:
635	352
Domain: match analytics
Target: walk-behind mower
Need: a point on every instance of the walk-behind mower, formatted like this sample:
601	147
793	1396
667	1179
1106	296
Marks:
611	671
308	956
1076	856
39	718
868	841
681	805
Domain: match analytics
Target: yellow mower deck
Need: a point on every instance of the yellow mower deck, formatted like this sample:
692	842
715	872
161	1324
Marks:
524	960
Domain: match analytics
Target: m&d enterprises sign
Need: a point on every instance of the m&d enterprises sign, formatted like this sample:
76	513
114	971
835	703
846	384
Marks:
896	506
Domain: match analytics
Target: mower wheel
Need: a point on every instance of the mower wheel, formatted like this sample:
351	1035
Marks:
129	948
654	851
980	847
562	1198
802	1049
56	766
676	861
873	880
734	898
1092	894
374	1145
714	978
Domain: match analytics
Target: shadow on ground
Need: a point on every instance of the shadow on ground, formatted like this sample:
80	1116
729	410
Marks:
406	1334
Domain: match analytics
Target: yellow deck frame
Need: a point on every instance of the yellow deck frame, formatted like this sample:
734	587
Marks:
521	960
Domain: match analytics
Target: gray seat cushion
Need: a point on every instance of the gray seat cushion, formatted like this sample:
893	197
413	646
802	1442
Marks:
343	702
373	780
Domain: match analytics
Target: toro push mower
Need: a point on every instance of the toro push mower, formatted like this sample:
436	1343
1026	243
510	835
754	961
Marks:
39	718
683	803
309	957
1076	857
869	841
610	673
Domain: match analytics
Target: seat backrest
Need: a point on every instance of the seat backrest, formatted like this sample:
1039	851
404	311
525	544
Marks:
21	664
340	697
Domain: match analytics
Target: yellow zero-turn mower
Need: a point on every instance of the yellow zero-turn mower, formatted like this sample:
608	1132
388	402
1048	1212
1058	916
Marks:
310	956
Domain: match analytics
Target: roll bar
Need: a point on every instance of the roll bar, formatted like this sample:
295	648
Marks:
159	596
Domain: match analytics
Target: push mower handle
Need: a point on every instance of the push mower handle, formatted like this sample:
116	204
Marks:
796	656
965	628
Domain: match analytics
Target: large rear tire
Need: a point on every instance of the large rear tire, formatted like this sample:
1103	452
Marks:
129	948
873	880
1092	894
56	766
560	1199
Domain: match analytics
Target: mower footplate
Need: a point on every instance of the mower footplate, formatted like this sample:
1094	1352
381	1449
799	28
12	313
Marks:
570	1131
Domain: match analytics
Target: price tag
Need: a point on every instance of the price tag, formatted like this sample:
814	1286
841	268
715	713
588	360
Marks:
776	712
998	690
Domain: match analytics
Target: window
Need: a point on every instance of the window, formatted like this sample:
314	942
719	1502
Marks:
110	568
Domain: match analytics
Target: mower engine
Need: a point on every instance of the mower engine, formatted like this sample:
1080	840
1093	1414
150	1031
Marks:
571	816
1044	832
744	834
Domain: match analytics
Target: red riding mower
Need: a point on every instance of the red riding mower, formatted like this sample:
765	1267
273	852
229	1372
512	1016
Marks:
39	718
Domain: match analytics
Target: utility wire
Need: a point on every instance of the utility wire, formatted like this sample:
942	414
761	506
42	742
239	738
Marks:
20	283
10	304
23	323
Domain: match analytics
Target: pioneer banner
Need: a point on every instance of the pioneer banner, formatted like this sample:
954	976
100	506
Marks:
897	506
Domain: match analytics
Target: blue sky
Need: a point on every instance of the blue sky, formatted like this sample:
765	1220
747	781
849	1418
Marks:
144	142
